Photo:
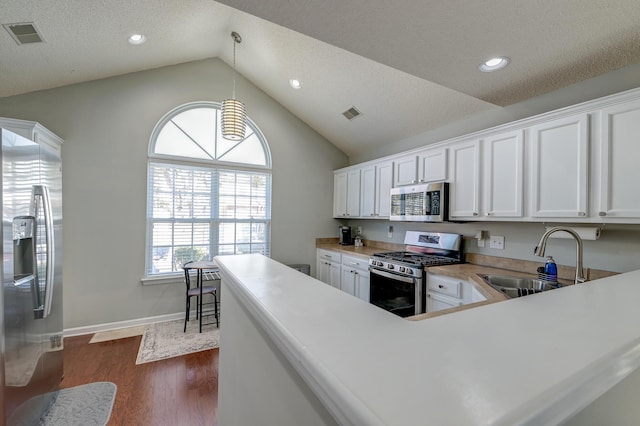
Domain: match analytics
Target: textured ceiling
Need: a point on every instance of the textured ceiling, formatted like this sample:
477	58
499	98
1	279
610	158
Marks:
410	65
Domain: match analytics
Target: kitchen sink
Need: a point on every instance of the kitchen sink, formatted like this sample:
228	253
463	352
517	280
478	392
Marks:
517	286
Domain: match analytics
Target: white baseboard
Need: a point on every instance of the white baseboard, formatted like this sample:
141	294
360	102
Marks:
90	329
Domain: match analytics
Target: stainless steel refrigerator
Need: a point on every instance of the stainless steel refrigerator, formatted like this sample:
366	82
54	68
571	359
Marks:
32	278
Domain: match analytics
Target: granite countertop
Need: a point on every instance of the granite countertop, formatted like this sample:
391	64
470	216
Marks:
476	265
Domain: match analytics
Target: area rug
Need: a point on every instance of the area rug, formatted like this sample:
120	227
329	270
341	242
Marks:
167	340
121	333
85	405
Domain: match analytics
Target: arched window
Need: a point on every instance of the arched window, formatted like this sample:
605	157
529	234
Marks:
205	195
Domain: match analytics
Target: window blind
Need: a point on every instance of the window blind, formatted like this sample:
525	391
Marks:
195	213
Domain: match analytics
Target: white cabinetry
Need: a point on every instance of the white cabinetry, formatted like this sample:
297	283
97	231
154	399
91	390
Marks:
432	165
405	170
375	186
346	193
503	175
618	153
443	293
328	267
355	277
384	183
464	180
560	168
446	292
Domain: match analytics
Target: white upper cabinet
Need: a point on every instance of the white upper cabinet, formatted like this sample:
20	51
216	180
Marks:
464	188
346	193
353	193
340	194
559	164
617	154
405	170
503	167
363	192
432	165
576	165
368	191
384	183
375	187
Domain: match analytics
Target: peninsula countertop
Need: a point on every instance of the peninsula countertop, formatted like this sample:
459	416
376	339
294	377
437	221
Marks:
532	360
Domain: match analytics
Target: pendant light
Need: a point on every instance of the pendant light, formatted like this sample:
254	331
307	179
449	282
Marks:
234	114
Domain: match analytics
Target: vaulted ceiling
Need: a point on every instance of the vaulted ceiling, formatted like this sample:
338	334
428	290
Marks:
409	66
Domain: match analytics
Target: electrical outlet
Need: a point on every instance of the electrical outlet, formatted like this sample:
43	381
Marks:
496	242
390	233
480	242
359	230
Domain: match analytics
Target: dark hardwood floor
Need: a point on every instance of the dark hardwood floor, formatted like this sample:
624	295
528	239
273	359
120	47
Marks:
176	391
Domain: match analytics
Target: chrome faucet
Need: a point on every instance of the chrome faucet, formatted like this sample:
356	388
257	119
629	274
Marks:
542	245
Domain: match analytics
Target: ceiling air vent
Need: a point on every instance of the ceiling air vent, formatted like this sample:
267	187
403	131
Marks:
24	33
351	113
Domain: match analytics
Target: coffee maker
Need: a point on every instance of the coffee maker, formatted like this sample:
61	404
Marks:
344	236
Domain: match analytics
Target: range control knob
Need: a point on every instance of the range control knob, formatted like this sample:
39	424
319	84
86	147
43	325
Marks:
390	266
402	269
409	271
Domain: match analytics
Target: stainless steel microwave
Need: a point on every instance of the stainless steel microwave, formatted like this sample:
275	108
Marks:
427	202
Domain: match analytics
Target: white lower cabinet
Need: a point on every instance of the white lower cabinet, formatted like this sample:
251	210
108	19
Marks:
437	302
347	273
328	267
446	292
355	277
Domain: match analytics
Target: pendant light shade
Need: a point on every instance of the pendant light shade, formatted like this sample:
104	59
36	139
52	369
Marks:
234	119
234	114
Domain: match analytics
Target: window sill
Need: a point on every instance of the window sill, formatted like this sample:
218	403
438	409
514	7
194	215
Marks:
163	279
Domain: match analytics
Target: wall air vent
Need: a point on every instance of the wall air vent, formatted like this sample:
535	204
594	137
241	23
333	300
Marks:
351	113
24	33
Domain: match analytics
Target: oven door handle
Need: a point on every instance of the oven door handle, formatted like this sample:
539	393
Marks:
409	280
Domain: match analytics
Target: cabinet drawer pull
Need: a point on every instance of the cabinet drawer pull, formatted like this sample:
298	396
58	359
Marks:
440	286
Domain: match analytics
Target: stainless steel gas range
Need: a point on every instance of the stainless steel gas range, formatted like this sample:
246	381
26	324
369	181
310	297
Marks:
398	278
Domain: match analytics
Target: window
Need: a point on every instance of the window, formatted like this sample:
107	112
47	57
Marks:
205	195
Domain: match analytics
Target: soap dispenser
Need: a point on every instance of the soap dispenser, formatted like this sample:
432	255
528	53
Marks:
551	270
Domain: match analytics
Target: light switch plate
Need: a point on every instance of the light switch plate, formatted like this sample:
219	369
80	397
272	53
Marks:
496	242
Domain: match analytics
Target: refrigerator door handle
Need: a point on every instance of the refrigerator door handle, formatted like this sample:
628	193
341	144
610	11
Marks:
43	192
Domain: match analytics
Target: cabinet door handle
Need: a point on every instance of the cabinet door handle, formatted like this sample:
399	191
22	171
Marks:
582	214
440	286
413	181
475	213
602	214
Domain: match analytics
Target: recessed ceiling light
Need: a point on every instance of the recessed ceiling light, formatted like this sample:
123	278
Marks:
295	83
137	39
494	64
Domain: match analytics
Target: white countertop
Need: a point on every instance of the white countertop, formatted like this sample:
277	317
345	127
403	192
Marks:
533	360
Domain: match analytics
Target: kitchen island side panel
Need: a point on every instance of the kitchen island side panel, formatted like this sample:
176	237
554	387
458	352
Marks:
257	384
